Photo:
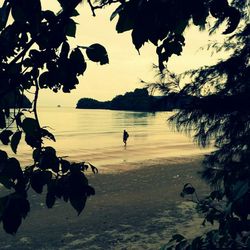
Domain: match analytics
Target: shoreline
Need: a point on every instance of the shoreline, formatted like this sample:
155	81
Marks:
135	209
132	165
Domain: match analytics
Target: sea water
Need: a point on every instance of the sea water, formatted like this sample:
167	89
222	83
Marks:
96	136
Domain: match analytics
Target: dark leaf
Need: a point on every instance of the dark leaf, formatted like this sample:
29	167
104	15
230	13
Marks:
75	13
217	8
33	140
182	24
78	183
18	119
78	62
138	38
27	62
97	53
116	12
7	112
78	203
18	12
12	169
45	80
24	207
30	126
36	155
5	136
2	119
3	156
71	28
127	14
64	3
60	187
49	16
234	17
24	11
76	168
4	14
50	199
3	201
39	179
49	160
11	223
45	133
199	13
50	151
65	166
16	208
15	139
90	191
64	50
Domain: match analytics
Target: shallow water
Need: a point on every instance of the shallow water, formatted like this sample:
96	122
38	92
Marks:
96	136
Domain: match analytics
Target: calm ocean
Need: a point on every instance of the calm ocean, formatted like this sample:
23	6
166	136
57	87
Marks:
96	136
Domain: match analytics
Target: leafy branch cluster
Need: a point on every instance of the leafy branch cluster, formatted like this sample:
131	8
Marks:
219	113
35	54
219	110
164	22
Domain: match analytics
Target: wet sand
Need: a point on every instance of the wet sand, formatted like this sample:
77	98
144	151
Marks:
139	208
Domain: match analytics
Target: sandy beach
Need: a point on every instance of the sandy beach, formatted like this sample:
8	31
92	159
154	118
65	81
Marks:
135	209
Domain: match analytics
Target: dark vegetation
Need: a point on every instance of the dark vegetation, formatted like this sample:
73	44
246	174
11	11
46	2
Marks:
16	101
89	103
138	100
35	54
219	112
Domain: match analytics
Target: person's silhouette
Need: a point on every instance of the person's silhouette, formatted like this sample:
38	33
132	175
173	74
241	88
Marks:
125	137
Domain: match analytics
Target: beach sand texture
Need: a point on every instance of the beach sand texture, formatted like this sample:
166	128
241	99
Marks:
135	209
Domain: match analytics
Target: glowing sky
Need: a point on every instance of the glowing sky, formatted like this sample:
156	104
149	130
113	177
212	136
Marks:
126	66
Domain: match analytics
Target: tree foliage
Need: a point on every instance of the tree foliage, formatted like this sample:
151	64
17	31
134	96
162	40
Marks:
138	100
219	112
35	54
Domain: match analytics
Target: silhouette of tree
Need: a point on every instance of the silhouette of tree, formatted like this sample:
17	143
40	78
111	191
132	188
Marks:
35	54
219	112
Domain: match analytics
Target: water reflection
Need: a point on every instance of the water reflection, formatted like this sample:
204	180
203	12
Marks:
130	118
132	114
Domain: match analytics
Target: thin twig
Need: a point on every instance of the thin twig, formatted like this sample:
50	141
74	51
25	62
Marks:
93	8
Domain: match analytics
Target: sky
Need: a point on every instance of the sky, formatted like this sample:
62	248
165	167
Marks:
126	67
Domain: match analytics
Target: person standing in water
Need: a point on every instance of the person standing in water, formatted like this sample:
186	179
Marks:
125	137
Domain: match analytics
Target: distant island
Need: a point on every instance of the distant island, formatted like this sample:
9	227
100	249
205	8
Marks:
138	100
